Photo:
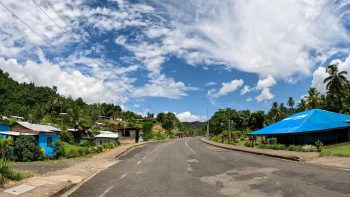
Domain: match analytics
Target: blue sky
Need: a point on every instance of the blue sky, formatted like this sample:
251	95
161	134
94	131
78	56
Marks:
177	56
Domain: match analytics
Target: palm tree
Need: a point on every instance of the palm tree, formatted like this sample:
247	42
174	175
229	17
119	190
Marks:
290	102
313	99
275	112
335	84
335	81
302	106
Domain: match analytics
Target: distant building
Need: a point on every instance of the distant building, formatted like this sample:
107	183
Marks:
128	134
309	126
18	118
105	137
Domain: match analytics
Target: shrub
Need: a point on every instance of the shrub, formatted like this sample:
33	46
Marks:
248	144
73	153
308	148
88	143
81	151
294	148
66	136
4	147
26	149
99	149
272	146
319	145
59	149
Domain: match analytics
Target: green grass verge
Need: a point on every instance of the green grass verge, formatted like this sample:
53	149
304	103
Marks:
339	150
7	173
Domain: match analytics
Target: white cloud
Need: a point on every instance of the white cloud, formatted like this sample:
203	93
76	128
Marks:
226	88
163	87
264	85
69	82
210	83
264	95
246	89
189	117
267	38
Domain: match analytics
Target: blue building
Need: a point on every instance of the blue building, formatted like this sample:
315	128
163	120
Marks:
44	134
309	126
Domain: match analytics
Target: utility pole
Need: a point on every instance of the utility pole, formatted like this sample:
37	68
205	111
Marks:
207	134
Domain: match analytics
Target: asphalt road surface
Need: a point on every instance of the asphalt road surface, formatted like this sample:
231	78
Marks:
189	167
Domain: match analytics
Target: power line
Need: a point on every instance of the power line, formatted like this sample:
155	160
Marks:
53	21
39	35
57	13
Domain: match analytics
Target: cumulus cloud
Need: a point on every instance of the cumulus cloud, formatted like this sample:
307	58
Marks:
163	87
226	88
189	117
69	82
258	36
264	85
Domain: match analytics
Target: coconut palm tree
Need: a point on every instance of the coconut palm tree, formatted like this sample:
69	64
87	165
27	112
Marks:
335	84
302	106
313	99
335	81
290	102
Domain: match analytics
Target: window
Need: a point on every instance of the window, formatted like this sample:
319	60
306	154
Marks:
49	141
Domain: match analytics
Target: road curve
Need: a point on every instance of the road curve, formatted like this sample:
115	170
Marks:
189	167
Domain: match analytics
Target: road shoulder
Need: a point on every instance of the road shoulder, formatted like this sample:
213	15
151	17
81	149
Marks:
58	182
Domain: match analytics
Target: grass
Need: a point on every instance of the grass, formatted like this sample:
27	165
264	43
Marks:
7	173
339	150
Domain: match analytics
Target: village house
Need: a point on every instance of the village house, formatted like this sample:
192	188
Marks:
128	134
105	137
46	135
308	127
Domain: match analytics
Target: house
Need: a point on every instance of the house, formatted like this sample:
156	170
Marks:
309	126
128	134
44	134
5	127
105	137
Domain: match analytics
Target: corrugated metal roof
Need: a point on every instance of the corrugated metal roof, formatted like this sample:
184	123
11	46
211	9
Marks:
38	127
14	133
106	134
307	121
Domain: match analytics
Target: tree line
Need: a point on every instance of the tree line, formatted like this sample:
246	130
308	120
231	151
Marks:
335	99
45	105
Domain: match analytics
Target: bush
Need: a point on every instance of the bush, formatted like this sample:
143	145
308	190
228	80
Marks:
66	136
72	153
88	143
308	148
26	149
294	148
248	144
273	146
319	145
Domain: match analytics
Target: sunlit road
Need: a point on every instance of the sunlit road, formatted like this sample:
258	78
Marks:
189	167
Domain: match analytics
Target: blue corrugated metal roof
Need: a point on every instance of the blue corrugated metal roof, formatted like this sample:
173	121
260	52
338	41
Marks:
307	121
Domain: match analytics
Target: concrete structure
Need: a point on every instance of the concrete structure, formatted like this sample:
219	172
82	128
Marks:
105	137
128	134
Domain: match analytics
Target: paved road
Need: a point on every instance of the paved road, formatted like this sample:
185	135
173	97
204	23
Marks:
189	167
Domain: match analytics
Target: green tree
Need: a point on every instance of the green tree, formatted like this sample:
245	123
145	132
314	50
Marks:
4	147
147	130
290	102
26	149
335	83
313	98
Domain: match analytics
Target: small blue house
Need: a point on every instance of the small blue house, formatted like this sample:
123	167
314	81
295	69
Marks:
46	135
309	126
